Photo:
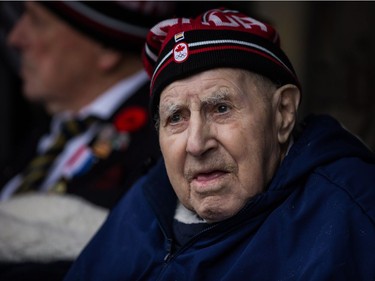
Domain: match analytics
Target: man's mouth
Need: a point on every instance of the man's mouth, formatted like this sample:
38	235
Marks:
208	176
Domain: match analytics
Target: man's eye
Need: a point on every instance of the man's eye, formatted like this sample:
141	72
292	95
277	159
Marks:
175	118
222	108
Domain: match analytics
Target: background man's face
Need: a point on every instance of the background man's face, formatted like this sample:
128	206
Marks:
56	60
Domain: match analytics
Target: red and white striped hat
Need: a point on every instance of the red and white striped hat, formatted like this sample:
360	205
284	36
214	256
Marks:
180	47
118	24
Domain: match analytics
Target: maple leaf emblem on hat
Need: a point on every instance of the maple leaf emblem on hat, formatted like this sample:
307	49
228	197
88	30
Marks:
180	48
180	52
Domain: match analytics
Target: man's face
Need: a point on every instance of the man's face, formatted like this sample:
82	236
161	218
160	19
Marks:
219	141
56	61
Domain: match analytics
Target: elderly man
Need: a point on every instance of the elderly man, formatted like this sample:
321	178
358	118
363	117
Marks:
241	193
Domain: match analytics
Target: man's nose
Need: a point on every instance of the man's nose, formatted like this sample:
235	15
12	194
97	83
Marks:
17	37
200	136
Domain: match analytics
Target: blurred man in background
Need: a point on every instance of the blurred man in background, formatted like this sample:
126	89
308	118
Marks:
80	61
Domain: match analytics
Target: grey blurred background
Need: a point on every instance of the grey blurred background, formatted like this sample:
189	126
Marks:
331	44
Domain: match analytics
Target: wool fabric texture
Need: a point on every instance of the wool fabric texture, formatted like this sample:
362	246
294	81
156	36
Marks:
121	25
180	47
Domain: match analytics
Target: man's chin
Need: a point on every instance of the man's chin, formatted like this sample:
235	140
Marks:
213	212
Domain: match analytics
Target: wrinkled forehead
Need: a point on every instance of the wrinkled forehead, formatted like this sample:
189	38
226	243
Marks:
208	87
207	79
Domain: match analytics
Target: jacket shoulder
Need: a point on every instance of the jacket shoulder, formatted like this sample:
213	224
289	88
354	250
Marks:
356	178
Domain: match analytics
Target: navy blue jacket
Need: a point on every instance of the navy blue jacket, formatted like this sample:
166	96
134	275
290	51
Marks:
315	221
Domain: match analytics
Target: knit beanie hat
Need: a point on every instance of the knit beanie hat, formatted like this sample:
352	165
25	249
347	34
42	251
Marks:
121	25
180	47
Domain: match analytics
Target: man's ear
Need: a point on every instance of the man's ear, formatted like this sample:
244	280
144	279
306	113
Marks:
109	59
287	99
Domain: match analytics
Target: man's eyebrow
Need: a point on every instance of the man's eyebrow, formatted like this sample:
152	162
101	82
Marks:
169	108
217	97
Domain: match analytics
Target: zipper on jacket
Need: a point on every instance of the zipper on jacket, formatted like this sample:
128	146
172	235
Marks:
172	252
169	249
